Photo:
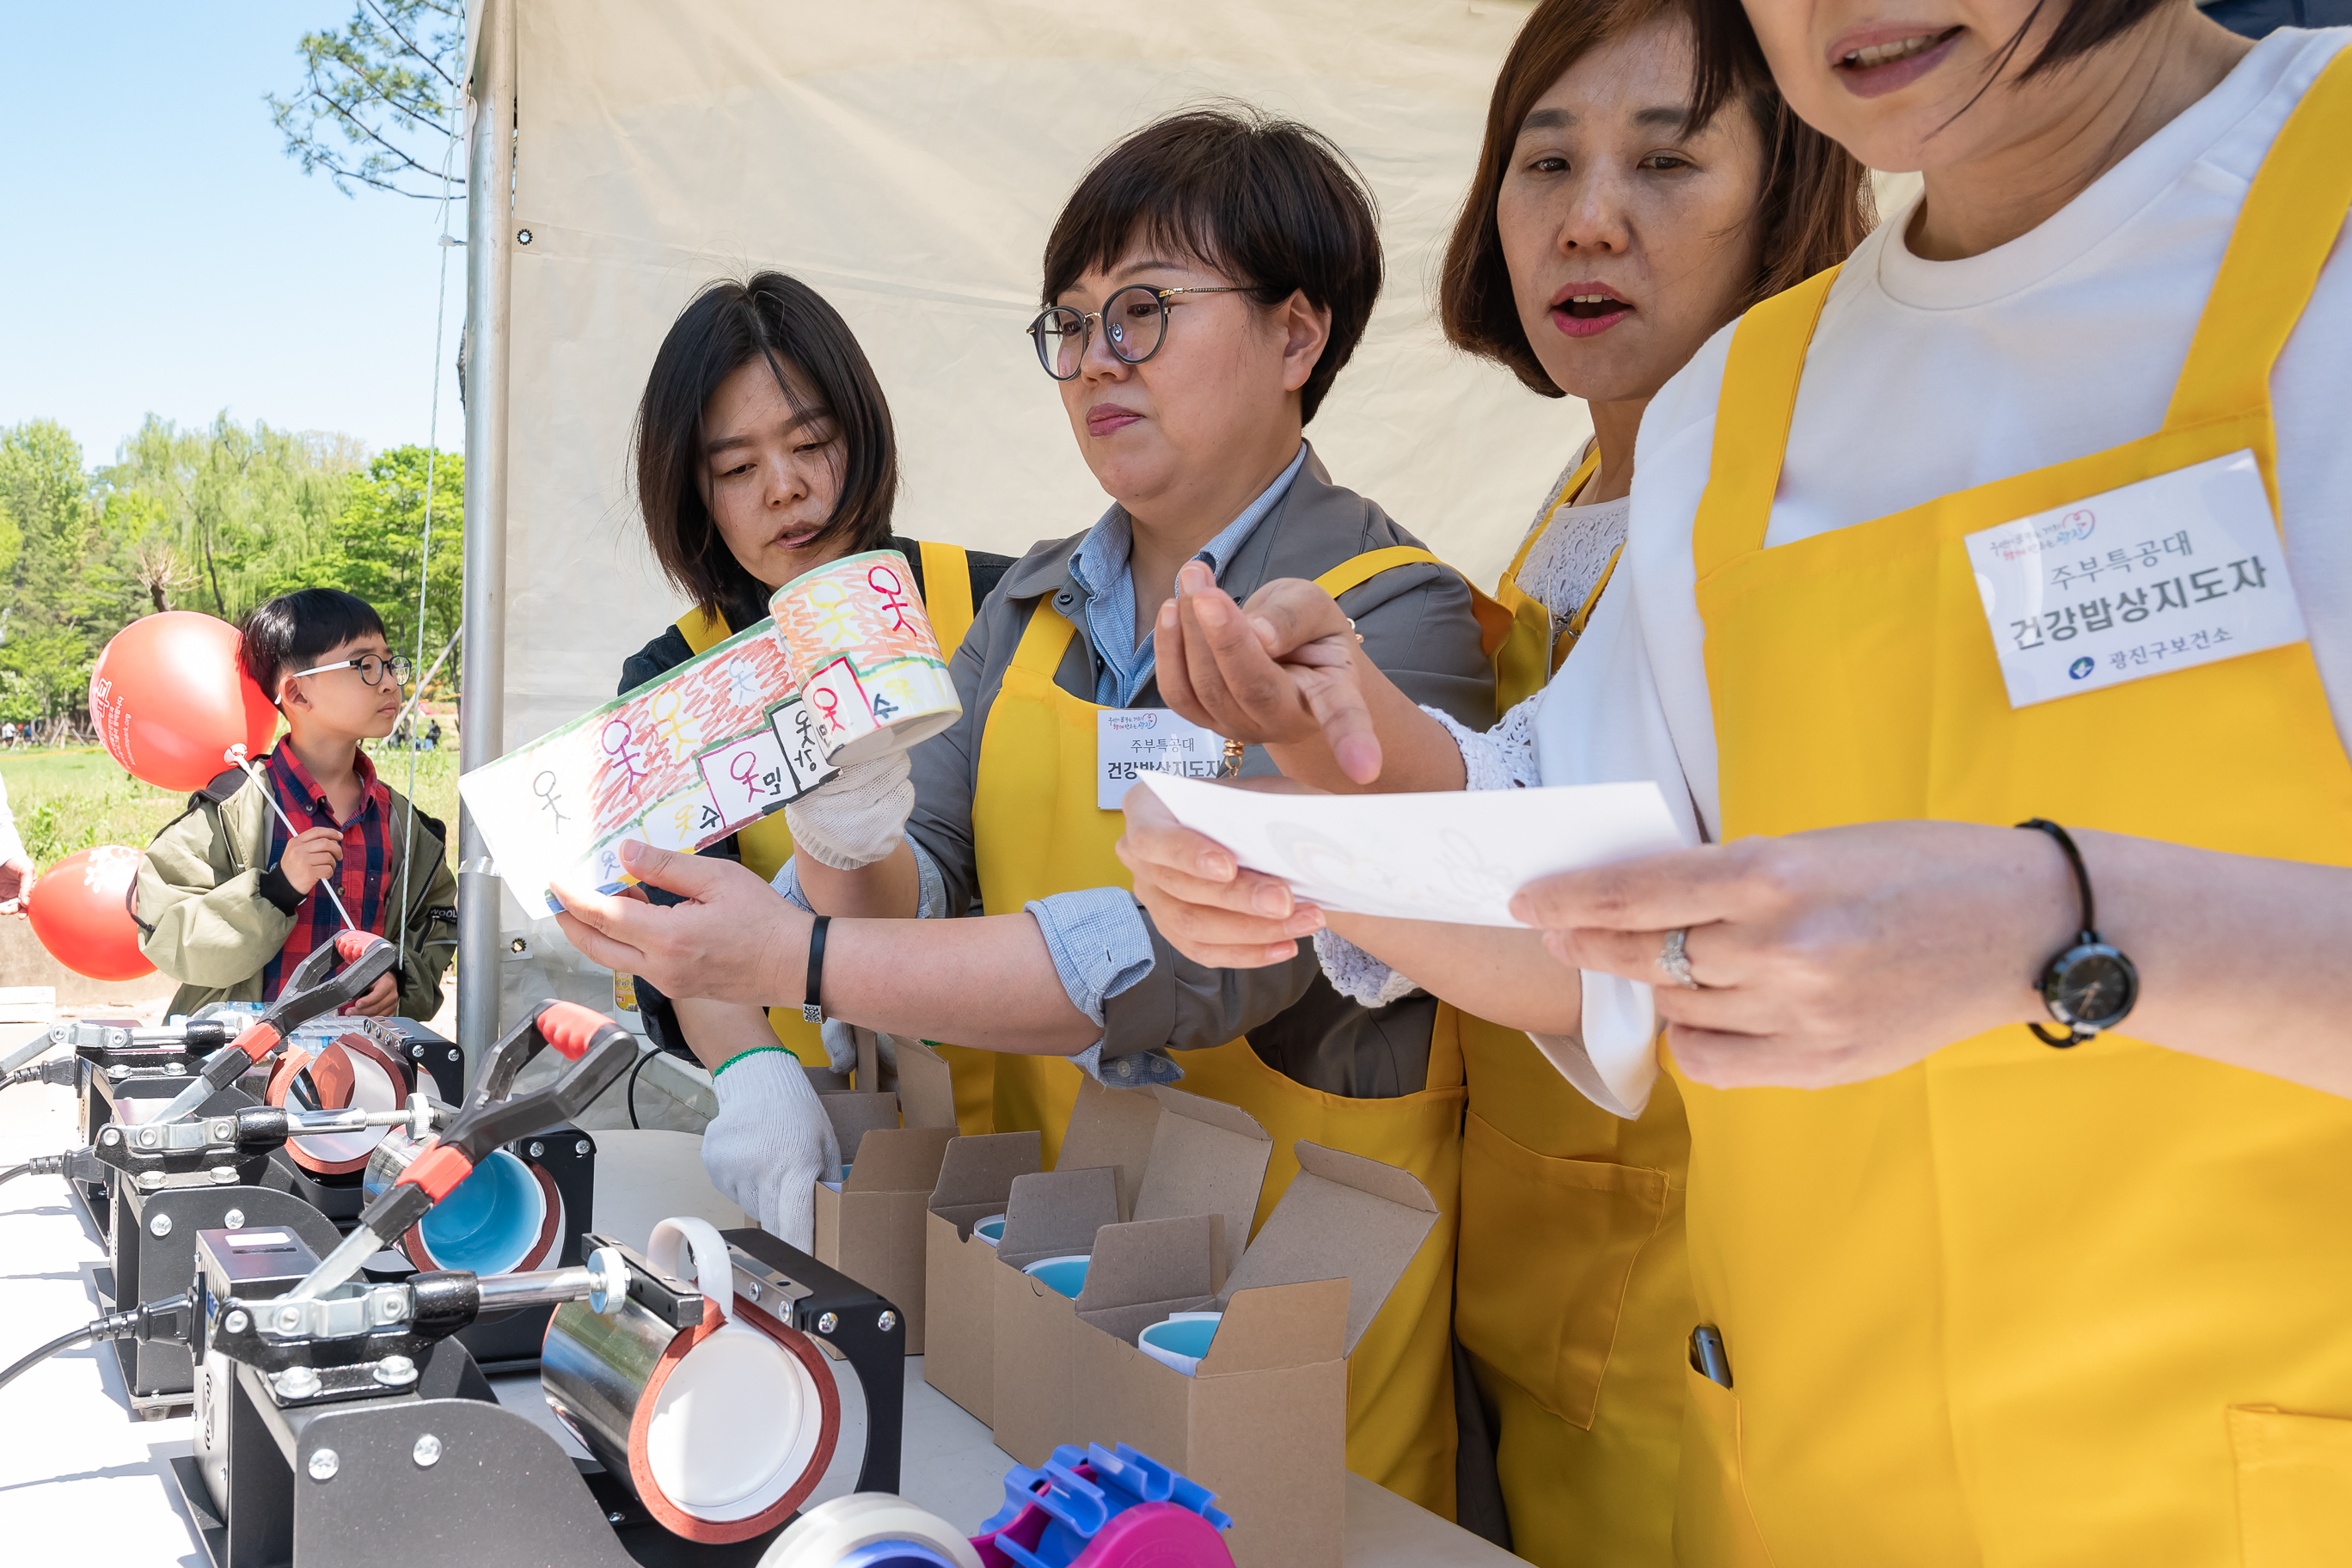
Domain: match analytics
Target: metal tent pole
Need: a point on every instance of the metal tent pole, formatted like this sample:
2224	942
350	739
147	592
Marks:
490	179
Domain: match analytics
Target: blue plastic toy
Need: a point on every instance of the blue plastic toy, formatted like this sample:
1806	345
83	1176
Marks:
1097	1509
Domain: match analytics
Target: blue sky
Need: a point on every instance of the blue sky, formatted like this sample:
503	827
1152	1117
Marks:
162	254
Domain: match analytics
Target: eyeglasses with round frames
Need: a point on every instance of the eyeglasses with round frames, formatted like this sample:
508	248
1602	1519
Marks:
371	666
1134	321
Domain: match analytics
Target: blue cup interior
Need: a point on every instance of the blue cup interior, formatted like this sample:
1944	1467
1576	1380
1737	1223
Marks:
489	1222
991	1229
894	1553
1067	1275
1186	1336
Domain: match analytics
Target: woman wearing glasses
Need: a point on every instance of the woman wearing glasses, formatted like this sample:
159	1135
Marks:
1204	286
258	873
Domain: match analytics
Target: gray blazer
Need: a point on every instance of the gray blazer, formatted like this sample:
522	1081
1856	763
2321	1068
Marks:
1417	626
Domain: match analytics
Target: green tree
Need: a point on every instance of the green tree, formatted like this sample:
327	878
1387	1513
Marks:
45	493
144	545
56	589
44	673
379	547
242	509
374	106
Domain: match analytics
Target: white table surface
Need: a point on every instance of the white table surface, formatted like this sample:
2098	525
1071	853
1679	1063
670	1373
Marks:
81	1481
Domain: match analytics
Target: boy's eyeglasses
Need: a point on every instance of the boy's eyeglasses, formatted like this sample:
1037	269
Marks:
1135	323
371	666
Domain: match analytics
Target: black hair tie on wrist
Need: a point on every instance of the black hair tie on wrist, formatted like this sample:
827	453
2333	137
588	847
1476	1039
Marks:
812	1010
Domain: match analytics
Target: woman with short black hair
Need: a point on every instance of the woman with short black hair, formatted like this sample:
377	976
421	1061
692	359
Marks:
1201	289
764	450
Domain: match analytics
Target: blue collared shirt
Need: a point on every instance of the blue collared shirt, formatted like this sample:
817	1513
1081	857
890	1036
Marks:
1095	936
1103	571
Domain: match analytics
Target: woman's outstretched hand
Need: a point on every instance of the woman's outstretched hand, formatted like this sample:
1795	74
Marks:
1283	670
736	939
1827	957
1210	908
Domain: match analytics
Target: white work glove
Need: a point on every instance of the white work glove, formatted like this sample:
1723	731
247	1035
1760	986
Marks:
841	1049
857	818
771	1143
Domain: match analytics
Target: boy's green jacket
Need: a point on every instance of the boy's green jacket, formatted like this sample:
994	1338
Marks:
204	922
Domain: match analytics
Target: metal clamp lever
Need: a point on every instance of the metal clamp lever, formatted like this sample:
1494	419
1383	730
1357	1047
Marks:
362	1326
89	1040
600	1051
316	986
217	1142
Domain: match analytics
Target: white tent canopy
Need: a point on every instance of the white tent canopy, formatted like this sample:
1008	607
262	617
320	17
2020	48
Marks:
906	158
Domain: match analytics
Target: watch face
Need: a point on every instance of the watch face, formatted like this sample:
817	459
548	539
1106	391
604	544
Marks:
2091	986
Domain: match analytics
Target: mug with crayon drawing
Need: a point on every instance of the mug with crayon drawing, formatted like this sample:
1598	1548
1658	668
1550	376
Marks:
847	669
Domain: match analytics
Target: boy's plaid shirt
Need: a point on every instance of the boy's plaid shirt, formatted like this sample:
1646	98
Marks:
359	878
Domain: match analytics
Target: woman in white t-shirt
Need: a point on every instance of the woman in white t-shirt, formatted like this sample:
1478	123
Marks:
2039	511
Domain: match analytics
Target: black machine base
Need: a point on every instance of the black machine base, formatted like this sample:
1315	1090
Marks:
443	1472
152	1245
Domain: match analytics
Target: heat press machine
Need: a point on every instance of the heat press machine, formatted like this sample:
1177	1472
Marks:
342	1424
285	1143
345	1063
150	1176
131	1076
101	1056
521	1208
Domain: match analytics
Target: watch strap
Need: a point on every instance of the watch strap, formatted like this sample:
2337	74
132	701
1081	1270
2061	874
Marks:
2081	875
812	1009
2088	936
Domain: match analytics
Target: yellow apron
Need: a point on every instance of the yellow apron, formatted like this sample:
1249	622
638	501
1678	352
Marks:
2015	1306
1530	654
1038	831
1572	1263
767	843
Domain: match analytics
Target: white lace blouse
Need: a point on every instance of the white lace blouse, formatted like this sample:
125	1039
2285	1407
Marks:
1561	571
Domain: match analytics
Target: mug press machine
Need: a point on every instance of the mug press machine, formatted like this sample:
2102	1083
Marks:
219	1153
343	1424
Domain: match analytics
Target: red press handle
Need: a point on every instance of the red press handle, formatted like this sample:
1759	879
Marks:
350	945
439	1171
571	1028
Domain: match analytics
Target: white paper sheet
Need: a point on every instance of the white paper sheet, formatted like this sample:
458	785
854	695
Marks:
1456	857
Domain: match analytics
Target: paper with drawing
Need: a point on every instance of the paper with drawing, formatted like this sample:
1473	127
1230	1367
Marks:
723	739
1456	857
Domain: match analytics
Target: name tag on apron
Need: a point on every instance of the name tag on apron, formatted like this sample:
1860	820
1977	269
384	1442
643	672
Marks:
1132	742
2179	570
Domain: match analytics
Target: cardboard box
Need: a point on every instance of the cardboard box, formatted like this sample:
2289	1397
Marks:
1264	1421
975	1181
870	1224
1128	1155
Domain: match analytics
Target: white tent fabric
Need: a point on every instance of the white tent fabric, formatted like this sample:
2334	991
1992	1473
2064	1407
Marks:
906	158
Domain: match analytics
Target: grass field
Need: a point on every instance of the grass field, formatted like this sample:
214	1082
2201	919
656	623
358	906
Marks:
69	799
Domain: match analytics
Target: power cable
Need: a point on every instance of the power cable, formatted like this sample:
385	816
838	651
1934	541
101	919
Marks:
147	1323
63	1341
630	1094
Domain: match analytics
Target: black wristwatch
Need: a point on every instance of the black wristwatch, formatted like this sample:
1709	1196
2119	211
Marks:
2090	987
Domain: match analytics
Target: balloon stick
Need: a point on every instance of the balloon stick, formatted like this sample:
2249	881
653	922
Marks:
236	755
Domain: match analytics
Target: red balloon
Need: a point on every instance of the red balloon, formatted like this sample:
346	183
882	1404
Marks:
81	912
169	699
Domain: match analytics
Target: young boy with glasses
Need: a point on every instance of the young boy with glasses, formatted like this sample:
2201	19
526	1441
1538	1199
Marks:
255	875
